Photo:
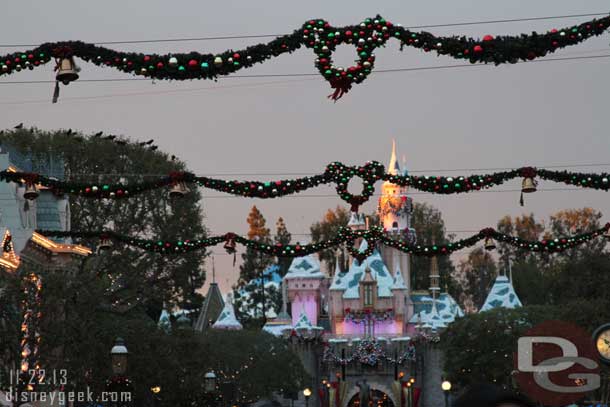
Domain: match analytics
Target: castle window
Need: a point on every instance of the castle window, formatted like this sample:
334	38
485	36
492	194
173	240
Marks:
395	225
368	295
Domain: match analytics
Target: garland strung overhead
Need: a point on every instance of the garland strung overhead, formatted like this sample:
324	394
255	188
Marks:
336	173
345	235
317	35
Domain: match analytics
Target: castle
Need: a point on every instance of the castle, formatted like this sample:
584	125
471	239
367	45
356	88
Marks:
366	326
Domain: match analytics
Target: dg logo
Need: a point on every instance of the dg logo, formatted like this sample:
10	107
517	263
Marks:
557	363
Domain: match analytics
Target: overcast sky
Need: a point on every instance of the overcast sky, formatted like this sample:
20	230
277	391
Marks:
541	114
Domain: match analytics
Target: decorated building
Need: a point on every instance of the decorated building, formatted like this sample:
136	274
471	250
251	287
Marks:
28	256
366	323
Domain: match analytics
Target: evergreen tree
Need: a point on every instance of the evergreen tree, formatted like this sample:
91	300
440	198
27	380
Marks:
430	227
326	229
248	293
283	237
475	275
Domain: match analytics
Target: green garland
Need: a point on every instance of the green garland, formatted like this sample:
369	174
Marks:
345	235
323	39
336	173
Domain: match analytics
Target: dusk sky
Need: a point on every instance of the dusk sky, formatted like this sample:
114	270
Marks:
474	119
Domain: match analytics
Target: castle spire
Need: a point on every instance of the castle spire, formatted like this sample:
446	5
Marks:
393	167
435	287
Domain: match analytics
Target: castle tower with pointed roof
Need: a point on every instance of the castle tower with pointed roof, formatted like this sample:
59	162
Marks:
395	209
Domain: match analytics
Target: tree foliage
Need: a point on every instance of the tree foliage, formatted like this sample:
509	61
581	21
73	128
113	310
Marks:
139	276
283	237
253	273
430	228
474	276
328	228
79	332
479	348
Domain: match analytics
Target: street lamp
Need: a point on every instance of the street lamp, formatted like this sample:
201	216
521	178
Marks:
118	355
446	386
307	394
210	382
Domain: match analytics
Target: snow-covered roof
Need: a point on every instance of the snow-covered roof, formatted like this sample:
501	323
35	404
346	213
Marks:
276	329
304	267
502	295
349	281
304	323
446	308
399	281
227	318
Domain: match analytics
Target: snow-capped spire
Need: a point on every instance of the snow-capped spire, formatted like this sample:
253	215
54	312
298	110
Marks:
502	295
164	321
434	277
404	165
393	167
337	267
227	318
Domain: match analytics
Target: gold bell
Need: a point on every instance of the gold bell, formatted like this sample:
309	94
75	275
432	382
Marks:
31	192
528	185
490	244
178	190
105	244
66	71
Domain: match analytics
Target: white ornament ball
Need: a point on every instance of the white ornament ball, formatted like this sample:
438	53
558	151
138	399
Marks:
218	61
173	61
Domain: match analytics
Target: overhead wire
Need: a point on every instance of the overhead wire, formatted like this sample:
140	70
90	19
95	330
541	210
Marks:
251	36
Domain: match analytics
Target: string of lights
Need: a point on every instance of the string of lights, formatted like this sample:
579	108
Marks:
335	173
400	241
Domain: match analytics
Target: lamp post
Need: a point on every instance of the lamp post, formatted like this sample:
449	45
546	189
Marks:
446	386
307	394
118	355
209	383
156	394
119	383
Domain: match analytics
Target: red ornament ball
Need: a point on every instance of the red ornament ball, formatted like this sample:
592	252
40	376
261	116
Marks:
193	63
159	65
146	58
478	49
488	38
